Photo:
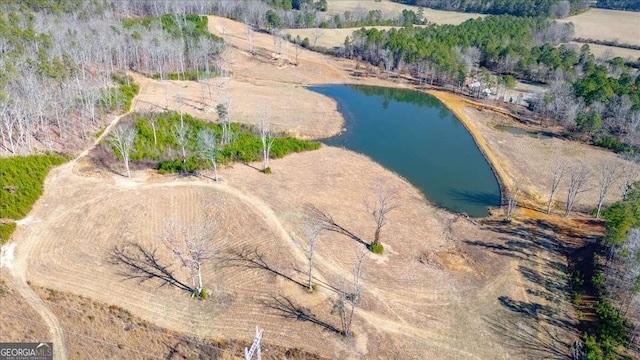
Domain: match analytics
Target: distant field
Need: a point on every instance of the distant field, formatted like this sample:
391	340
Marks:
599	50
330	37
608	25
389	7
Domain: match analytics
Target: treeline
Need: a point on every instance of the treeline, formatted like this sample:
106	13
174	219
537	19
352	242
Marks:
617	280
595	100
58	60
632	5
552	8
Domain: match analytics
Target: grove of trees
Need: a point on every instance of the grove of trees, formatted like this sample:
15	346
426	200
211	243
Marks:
553	8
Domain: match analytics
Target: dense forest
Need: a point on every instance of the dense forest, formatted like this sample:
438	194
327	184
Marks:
552	8
60	67
632	5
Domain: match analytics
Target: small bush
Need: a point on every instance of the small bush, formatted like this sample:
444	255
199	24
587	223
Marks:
202	295
598	279
376	248
267	170
5	231
611	143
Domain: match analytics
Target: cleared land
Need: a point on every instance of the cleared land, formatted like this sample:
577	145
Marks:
393	9
446	288
610	51
607	25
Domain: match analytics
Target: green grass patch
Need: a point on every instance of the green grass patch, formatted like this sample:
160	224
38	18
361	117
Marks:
21	182
189	75
120	97
5	231
165	149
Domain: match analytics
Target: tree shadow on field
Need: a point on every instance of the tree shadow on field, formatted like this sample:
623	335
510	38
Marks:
286	308
253	259
541	324
529	338
139	263
327	223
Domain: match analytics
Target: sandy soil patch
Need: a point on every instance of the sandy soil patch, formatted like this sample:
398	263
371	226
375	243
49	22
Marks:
608	25
292	108
330	37
395	9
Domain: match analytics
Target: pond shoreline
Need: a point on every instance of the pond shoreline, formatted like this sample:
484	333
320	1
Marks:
456	105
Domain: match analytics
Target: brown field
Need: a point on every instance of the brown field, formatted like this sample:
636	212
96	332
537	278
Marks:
607	25
446	288
610	51
391	8
330	37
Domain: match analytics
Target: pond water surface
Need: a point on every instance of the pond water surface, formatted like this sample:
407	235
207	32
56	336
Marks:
414	135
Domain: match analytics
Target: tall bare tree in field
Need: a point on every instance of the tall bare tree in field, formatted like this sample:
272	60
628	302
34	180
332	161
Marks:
122	138
191	244
608	175
512	199
579	175
558	170
385	200
267	137
347	302
629	174
313	229
208	148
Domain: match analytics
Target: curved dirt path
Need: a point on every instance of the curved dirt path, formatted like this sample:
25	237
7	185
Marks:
20	262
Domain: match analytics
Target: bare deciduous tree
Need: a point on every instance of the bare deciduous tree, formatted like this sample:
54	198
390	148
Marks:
255	346
629	173
385	200
317	34
266	136
223	109
248	32
347	302
558	169
181	132
208	148
313	229
122	139
298	51
512	199
192	246
579	175
607	177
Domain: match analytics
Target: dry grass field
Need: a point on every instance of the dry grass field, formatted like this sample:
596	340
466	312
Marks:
607	25
446	287
610	51
392	9
330	37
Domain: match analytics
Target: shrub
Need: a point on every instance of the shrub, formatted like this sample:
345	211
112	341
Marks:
376	248
610	142
598	279
21	180
267	170
202	295
5	231
245	147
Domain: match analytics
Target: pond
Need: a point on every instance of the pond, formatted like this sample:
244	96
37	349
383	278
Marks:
414	135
